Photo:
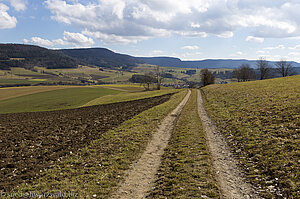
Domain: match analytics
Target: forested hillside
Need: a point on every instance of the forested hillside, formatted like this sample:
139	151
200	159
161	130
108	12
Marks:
28	56
102	57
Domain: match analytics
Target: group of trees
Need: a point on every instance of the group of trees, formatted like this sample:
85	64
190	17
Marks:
244	73
265	70
150	78
207	77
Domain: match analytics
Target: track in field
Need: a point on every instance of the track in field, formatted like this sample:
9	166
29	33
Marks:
230	179
141	176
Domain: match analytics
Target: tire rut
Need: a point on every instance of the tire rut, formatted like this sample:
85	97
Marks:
231	181
141	176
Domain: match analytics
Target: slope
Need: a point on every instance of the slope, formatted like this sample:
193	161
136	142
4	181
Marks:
28	56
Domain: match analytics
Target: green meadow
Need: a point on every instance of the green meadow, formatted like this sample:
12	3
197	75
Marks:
54	100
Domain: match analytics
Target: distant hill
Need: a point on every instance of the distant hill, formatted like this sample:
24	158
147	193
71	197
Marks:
102	57
208	63
28	56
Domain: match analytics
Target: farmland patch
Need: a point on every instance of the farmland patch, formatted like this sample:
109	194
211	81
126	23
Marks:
54	100
32	142
98	168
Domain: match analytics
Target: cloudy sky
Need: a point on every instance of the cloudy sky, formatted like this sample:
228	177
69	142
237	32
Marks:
188	29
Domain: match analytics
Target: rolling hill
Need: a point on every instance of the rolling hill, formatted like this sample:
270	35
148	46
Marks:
28	56
102	57
207	63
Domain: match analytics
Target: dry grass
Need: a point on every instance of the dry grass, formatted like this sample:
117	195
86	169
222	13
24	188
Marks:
261	120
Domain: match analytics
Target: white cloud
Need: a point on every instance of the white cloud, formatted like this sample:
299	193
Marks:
6	21
191	55
39	41
60	42
156	53
237	54
112	38
294	53
297	47
69	39
127	21
190	47
18	5
226	34
78	39
281	47
255	39
262	52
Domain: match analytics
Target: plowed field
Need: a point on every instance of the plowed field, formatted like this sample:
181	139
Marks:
32	142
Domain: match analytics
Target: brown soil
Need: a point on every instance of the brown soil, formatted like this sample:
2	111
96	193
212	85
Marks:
32	142
140	178
230	178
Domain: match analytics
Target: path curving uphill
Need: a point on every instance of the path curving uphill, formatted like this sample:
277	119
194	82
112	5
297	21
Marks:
229	177
141	176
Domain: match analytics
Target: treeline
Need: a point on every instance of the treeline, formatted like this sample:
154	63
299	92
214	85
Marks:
28	56
264	70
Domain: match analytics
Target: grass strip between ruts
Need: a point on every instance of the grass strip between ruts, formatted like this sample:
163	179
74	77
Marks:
186	170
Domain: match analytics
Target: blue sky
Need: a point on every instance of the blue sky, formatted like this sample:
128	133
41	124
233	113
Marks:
188	29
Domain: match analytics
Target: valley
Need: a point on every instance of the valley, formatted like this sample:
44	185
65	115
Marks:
96	131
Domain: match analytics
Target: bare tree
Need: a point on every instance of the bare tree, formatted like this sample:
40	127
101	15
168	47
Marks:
145	80
244	73
284	68
207	77
159	75
263	68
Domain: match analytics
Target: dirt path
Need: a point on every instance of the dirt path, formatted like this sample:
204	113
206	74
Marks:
141	176
229	176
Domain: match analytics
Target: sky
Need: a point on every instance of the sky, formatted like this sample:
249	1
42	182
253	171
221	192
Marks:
187	29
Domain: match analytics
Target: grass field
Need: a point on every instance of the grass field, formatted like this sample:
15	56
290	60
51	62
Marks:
125	87
74	75
12	92
53	100
261	121
185	171
23	71
91	73
96	170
